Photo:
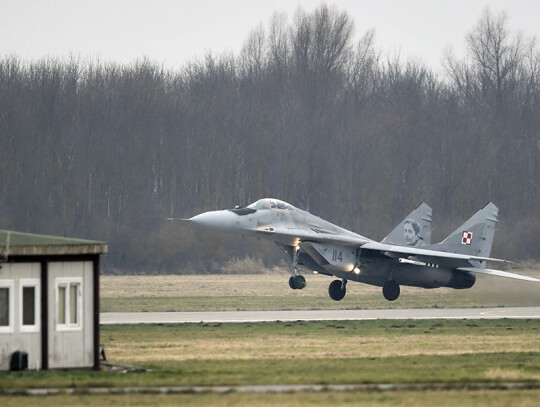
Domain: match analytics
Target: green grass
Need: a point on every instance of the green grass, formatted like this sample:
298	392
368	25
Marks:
523	398
252	303
394	369
309	353
330	352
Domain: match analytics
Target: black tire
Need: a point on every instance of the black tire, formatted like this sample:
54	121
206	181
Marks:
299	282
335	291
391	290
291	283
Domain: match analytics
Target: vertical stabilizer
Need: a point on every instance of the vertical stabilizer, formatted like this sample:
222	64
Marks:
474	237
414	230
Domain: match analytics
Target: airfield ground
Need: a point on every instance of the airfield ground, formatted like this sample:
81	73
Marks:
328	352
523	398
350	352
271	292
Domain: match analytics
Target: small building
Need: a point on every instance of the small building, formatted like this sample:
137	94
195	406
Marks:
49	301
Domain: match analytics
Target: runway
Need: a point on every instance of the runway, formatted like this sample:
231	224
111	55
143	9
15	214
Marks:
111	318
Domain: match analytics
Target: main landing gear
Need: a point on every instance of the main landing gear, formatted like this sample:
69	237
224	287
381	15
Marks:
297	281
390	290
337	289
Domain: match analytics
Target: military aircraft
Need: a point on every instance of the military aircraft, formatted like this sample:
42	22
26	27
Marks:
405	257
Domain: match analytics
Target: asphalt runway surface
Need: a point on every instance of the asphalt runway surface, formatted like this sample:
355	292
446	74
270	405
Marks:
110	318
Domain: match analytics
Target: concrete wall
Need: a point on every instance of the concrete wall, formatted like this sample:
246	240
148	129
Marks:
30	342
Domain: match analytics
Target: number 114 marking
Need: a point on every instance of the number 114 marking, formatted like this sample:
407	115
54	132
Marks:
337	255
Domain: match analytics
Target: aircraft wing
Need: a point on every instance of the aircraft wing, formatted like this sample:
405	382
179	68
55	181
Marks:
318	235
453	260
498	273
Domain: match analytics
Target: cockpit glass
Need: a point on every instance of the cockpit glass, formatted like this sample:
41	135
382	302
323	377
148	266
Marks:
259	205
270	204
282	205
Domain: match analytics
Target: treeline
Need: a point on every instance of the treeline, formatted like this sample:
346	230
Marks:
303	113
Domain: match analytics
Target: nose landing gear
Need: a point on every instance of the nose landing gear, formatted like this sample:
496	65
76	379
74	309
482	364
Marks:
296	281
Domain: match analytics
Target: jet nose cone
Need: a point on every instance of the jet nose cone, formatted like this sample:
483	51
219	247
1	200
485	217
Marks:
217	220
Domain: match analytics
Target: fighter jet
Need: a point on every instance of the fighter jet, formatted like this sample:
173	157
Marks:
406	257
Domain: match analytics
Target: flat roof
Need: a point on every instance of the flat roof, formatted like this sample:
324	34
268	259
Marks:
29	244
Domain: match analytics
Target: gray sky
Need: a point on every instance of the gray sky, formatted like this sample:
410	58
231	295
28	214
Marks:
173	32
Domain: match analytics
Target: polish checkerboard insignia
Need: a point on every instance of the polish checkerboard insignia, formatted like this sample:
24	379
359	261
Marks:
466	238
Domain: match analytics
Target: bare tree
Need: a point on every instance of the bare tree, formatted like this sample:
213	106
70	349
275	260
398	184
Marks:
495	53
252	54
332	33
362	68
278	44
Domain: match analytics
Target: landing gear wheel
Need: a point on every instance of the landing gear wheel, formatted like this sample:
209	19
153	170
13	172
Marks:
337	290
297	282
391	290
291	283
300	282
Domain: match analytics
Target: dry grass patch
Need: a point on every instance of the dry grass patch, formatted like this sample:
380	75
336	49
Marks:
271	291
312	347
271	284
511	375
348	339
216	285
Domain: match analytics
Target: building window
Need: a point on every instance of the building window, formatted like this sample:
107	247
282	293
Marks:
29	297
68	304
6	306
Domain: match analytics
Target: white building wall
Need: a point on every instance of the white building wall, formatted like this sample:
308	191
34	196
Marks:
68	346
29	342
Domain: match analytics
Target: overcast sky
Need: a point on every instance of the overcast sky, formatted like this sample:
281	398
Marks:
173	32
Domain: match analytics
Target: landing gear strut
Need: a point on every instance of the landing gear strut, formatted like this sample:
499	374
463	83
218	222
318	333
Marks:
390	290
297	281
337	289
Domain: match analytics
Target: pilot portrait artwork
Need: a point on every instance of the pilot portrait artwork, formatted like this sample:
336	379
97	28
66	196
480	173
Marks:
411	231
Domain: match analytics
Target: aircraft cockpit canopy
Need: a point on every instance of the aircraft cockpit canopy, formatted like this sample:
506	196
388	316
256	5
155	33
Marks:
268	203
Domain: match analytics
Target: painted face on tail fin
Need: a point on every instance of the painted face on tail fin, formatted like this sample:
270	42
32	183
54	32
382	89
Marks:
411	231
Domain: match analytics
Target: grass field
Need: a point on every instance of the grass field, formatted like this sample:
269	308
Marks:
271	292
524	398
310	352
305	353
450	351
345	352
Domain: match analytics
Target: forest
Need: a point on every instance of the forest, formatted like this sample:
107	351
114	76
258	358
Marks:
309	112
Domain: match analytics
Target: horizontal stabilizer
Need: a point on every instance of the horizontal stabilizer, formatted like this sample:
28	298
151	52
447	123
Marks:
399	251
497	273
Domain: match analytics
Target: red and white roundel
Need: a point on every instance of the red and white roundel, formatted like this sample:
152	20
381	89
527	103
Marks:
466	238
